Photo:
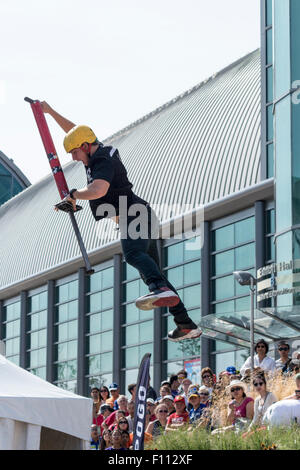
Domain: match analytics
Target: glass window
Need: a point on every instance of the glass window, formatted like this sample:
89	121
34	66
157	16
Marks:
269	11
270	160
269	72
192	272
224	287
244	230
224	238
175	276
270	132
224	263
269	39
174	254
192	248
245	256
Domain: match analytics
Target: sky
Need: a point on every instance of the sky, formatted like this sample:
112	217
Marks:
107	63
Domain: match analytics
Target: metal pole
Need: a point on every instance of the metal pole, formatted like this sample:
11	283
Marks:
252	293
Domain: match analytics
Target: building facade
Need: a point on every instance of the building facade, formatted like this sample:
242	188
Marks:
12	180
218	159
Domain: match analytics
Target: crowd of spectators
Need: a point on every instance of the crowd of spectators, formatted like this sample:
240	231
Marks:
234	401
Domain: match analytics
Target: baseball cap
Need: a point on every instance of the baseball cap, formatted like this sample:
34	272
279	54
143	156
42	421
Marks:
179	398
193	393
150	400
231	370
105	407
113	386
169	397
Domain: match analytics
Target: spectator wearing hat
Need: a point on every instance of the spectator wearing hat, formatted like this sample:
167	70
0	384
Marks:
104	412
115	393
283	363
174	382
168	400
197	403
240	406
180	417
263	401
151	408
261	360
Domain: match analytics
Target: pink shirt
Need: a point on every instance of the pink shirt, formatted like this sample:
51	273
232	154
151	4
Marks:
240	411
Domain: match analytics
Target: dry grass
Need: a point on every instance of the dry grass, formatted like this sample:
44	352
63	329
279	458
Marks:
279	385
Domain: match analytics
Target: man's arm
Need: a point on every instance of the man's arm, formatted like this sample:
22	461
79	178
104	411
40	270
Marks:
94	190
64	123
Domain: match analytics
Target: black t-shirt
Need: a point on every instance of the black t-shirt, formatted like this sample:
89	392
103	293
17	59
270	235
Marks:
105	164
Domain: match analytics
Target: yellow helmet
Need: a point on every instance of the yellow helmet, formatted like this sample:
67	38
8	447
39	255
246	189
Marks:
77	136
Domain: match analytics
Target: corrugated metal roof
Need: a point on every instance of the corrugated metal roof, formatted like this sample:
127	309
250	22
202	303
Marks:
201	146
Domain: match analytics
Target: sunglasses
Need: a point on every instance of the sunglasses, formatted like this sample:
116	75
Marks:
204	394
260	346
163	411
104	391
258	384
283	349
236	389
206	376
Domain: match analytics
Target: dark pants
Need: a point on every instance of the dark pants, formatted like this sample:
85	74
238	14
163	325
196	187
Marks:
142	254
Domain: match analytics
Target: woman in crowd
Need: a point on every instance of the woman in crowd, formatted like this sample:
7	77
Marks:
263	401
117	416
157	427
122	424
261	359
207	378
104	394
240	406
117	443
106	440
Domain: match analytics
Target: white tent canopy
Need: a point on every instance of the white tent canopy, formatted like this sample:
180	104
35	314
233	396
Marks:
32	410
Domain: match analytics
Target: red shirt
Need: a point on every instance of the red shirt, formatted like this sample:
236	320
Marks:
174	418
111	418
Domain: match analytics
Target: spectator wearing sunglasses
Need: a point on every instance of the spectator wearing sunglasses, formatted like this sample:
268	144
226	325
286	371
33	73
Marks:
157	427
263	401
240	406
199	399
208	379
261	360
284	361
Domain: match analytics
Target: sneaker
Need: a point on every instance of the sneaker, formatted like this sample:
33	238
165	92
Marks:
190	331
160	297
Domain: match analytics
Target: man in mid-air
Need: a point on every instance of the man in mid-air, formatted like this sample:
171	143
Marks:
107	184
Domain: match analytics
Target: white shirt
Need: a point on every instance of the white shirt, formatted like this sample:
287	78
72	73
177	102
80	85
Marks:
283	413
266	364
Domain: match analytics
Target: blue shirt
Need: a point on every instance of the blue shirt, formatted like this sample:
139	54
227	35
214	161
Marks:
196	414
94	445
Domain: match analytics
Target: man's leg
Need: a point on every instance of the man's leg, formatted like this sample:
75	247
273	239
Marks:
136	254
186	328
